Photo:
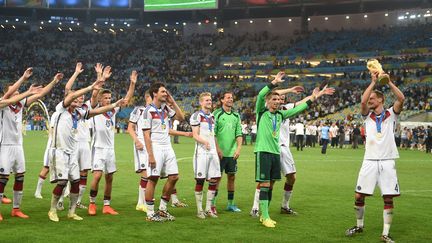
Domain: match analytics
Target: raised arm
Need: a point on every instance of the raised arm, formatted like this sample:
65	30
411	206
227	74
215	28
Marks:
102	74
26	75
133	80
367	93
57	78
103	109
33	90
260	102
70	82
73	95
173	104
400	98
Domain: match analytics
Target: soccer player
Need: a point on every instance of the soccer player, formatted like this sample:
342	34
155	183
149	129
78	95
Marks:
81	128
286	159
228	132
11	151
206	161
63	165
162	161
267	149
135	130
325	137
103	144
378	166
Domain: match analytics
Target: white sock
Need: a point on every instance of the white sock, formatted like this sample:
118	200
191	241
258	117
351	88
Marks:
210	197
388	217
73	202
286	199
163	205
39	185
54	202
174	198
360	215
150	209
17	198
82	189
107	202
140	192
199	199
256	199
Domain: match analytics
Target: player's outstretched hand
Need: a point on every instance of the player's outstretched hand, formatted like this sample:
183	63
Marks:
374	76
97	85
28	73
58	77
99	68
35	89
107	72
78	68
134	77
279	78
120	103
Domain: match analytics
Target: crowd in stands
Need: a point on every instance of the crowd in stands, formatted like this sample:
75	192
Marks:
178	60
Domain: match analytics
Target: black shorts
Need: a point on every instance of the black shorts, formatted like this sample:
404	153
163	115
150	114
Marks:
229	165
267	167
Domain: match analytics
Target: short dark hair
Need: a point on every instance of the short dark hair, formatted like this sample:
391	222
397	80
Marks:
104	91
224	93
154	88
379	94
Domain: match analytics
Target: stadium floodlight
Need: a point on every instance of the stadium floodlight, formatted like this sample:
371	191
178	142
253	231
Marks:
128	25
427	15
72	22
7	21
42	22
25	22
401	17
199	23
235	22
49	21
215	23
156	23
70	29
125	23
428	11
112	25
60	23
166	25
184	23
13	26
121	30
148	25
95	30
413	16
177	23
347	17
251	21
211	44
386	14
40	27
78	24
289	20
419	15
60	29
269	21
365	16
2	26
95	24
309	19
16	20
407	13
326	18
106	22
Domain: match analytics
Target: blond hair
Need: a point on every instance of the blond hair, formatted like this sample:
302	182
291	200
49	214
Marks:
204	94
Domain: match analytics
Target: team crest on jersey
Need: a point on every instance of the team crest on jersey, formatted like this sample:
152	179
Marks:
155	115
16	108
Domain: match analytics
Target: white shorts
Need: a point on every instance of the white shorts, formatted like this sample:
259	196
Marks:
140	159
62	166
83	156
206	165
378	172
104	160
166	162
12	159
46	157
287	161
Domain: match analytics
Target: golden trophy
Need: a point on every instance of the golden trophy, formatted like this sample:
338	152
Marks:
374	66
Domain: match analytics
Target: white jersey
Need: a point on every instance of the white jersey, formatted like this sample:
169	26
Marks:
11	117
206	128
284	134
103	127
84	126
313	130
380	147
66	128
157	120
300	129
136	117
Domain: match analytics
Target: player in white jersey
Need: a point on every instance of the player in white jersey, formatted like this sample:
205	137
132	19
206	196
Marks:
11	150
162	161
286	159
45	168
378	166
63	165
135	130
206	162
103	155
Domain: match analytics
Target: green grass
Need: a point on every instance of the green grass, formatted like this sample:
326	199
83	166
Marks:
162	5
323	196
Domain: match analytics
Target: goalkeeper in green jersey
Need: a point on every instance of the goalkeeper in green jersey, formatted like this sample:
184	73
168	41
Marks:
267	149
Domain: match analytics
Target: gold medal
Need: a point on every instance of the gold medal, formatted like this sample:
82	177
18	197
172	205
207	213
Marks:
163	126
379	135
274	133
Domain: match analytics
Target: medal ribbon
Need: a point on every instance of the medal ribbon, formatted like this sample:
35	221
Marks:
274	122
160	114
379	121
209	121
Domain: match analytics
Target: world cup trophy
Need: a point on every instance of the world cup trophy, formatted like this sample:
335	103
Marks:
374	66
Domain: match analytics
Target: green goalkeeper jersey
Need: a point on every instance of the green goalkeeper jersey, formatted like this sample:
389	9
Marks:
227	129
269	123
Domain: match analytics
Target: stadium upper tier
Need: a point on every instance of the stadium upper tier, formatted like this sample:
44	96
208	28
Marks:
200	61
